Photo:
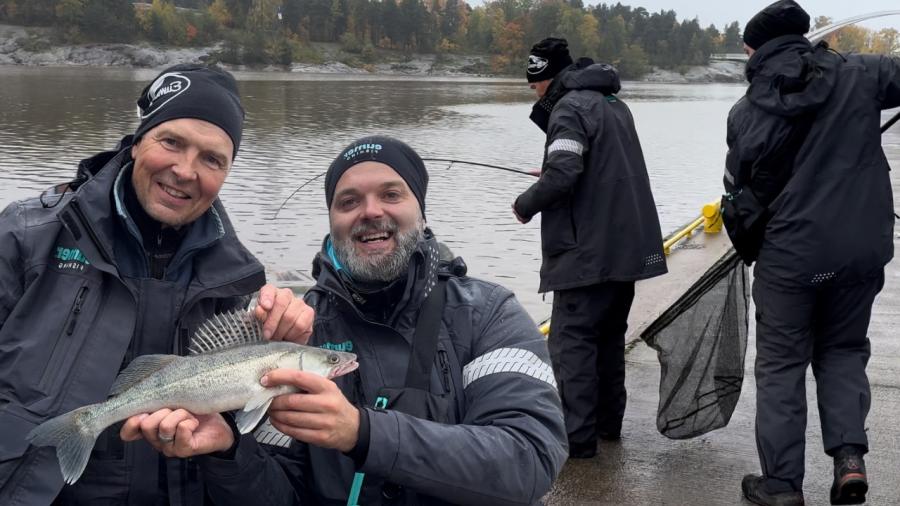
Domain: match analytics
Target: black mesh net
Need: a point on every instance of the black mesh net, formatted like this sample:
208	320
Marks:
701	342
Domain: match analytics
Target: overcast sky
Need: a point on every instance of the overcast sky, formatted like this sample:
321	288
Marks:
722	12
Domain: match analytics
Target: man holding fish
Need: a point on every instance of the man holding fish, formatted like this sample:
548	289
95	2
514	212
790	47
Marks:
454	401
128	261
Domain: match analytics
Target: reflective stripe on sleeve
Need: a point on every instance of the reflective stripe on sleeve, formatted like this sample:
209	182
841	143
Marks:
506	360
566	145
268	435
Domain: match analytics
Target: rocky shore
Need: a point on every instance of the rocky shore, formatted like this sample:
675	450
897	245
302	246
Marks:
21	47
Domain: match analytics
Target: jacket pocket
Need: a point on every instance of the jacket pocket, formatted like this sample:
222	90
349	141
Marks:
60	360
558	230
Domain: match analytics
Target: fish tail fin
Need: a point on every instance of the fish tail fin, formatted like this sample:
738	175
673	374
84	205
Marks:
72	438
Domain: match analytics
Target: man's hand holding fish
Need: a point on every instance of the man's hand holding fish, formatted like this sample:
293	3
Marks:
318	414
180	433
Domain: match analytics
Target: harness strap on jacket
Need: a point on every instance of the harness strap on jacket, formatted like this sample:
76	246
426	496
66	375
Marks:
424	345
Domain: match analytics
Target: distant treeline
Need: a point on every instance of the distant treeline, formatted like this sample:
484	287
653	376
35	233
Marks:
279	31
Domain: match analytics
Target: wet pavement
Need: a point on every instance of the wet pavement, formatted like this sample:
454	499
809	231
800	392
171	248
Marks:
645	468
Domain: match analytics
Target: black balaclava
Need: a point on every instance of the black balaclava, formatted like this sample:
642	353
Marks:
784	17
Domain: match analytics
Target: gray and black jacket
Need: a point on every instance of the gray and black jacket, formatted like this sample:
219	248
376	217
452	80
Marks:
71	315
500	437
598	216
833	221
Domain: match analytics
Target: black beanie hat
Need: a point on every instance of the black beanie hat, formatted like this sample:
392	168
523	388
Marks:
784	17
192	91
387	150
546	59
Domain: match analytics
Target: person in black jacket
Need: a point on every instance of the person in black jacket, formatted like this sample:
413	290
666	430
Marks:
806	141
129	260
454	401
599	234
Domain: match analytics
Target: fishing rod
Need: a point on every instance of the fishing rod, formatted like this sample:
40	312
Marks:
289	197
477	164
890	122
451	161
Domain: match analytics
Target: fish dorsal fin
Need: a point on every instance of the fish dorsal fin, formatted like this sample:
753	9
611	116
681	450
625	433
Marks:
138	369
226	330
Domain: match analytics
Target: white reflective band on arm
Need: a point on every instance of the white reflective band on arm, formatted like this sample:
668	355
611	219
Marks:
508	360
268	435
566	145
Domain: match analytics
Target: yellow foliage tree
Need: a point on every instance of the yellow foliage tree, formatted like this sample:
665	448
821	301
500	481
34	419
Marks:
220	13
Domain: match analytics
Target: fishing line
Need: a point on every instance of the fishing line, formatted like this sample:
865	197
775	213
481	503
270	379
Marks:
448	160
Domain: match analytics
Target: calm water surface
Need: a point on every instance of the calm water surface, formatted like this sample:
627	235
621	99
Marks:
52	117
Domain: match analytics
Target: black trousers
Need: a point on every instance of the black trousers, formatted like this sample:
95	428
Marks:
825	327
587	348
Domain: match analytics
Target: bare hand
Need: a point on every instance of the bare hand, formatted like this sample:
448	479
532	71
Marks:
535	172
179	433
285	316
516	213
321	415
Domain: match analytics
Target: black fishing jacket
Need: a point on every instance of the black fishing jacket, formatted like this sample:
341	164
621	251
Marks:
598	217
833	221
498	437
70	319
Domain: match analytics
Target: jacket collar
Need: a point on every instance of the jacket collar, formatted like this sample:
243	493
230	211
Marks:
95	211
789	77
421	278
584	74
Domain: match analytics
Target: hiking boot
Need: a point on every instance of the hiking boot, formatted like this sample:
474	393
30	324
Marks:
582	450
755	492
850	484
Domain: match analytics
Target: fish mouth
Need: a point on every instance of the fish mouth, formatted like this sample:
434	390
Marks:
340	370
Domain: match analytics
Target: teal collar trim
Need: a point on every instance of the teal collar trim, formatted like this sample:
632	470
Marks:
331	256
118	193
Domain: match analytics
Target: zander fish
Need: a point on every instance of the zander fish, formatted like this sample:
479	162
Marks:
229	357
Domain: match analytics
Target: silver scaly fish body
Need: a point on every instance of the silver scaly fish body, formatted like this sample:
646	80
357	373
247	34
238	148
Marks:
202	384
223	376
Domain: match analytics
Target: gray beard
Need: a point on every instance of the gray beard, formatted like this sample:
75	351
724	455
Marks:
383	268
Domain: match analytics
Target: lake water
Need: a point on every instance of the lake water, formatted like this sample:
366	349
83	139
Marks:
52	117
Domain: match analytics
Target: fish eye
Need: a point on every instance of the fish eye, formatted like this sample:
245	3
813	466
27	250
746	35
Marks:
333	358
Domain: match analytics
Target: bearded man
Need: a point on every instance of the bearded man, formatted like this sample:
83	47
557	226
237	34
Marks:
454	400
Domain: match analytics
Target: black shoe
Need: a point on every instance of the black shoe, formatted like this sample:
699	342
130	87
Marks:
610	436
582	450
755	492
850	484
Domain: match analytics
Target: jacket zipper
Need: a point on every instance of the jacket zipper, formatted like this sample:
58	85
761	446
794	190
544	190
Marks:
445	369
62	345
76	310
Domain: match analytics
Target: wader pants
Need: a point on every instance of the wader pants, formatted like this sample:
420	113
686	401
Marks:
587	348
826	327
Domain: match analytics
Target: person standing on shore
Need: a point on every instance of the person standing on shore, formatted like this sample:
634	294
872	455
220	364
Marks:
599	234
805	140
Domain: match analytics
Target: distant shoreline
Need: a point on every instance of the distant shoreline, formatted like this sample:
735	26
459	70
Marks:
14	51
